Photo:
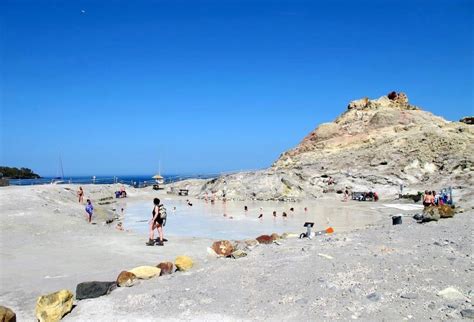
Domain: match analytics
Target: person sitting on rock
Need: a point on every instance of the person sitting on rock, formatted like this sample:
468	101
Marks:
330	181
435	197
428	199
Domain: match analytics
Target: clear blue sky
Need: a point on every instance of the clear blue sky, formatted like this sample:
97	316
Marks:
210	86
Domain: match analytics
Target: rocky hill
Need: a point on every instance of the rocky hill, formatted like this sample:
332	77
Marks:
375	145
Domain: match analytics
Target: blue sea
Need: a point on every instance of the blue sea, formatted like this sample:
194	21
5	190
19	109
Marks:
133	180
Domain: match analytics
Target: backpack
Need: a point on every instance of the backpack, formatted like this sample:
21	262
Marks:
162	211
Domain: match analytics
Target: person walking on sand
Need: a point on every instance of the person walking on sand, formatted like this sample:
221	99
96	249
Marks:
156	222
80	194
89	210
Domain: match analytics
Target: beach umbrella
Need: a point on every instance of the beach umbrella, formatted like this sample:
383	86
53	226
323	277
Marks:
157	176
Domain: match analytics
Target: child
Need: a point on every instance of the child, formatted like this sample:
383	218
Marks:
89	209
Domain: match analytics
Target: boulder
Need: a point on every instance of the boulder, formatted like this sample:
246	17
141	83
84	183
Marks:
275	236
436	212
265	239
91	290
452	294
183	263
238	254
223	248
251	243
145	272
54	306
445	211
239	245
358	104
431	214
126	279
166	268
7	315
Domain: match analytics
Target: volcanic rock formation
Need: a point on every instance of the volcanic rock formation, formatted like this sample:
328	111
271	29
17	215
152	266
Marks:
375	145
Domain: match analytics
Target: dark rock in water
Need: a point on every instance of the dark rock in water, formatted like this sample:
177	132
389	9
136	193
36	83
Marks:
409	296
7	315
265	239
166	268
468	313
374	297
90	290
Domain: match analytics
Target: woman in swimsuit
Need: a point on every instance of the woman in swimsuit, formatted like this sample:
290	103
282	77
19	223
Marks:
155	222
80	194
428	200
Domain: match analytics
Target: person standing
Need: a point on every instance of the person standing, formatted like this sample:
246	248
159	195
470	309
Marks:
89	210
80	194
156	222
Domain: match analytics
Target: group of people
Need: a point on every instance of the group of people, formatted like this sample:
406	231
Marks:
274	213
366	196
432	198
121	193
89	207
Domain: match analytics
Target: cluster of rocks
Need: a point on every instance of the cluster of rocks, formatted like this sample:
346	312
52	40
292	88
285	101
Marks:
435	213
240	248
53	307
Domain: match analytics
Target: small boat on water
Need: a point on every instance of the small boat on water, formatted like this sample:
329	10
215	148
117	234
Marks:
59	179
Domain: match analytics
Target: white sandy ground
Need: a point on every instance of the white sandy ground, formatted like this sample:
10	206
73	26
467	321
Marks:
46	245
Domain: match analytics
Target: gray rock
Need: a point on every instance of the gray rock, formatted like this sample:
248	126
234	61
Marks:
374	297
409	296
90	290
301	301
468	313
451	293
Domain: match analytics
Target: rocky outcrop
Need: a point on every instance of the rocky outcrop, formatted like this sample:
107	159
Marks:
183	263
54	306
7	315
91	290
126	279
375	145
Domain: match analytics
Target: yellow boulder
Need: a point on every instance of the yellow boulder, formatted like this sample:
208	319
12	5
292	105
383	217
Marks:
183	263
145	272
52	307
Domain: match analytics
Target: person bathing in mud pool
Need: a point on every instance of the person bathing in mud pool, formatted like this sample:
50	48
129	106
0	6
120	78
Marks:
89	210
156	222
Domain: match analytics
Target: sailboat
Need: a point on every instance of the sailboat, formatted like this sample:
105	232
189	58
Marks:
59	179
159	180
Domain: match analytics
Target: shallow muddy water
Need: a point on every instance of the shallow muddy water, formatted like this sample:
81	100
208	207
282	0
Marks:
207	220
